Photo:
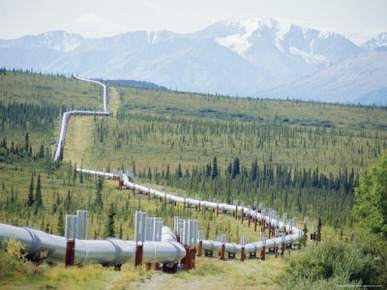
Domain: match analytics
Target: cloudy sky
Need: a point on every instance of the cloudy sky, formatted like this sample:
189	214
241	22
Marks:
358	20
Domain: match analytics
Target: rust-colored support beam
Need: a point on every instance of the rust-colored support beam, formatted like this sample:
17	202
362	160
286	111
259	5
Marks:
269	227
236	212
263	253
243	254
222	253
148	266
200	248
217	210
156	266
134	191
193	256
138	259
242	216
187	259
255	223
248	220
283	248
70	253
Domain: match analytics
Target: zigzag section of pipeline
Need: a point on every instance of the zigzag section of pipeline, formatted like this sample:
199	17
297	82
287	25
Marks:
66	116
116	251
210	245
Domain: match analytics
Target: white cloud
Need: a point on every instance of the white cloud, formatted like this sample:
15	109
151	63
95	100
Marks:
96	18
94	25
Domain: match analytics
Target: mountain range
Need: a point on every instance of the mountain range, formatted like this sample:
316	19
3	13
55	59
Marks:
255	58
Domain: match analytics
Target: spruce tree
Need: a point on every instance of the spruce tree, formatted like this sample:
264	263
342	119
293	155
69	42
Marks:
319	227
38	198
236	168
98	198
60	226
110	228
214	168
30	200
27	142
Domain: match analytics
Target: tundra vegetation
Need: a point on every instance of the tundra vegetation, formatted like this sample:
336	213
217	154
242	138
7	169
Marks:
303	158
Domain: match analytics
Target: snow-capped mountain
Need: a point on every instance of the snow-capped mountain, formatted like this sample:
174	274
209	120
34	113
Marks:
379	42
249	58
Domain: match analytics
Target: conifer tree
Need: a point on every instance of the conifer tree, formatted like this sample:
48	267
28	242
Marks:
319	227
38	196
236	168
110	228
30	200
27	142
60	226
214	168
98	198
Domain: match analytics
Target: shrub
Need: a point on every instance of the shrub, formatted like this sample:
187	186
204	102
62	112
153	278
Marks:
328	262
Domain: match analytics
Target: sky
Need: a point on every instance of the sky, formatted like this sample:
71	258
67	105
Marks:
358	20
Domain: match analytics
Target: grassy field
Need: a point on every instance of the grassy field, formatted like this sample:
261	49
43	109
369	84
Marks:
190	129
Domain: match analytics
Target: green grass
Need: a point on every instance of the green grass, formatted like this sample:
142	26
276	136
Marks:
38	89
190	129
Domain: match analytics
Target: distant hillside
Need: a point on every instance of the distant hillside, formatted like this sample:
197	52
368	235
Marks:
137	84
257	58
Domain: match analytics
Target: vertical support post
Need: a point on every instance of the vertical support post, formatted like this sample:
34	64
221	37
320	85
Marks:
186	261
248	220
269	227
222	253
217	210
263	253
70	253
255	224
243	254
138	259
193	254
242	215
200	248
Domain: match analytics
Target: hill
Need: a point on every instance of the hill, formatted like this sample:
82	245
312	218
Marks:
251	58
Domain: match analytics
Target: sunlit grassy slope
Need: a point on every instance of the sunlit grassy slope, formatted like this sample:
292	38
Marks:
157	128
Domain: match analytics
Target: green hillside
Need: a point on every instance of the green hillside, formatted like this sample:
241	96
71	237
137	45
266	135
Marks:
302	158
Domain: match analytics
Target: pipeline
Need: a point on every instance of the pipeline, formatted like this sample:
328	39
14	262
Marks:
125	248
66	116
112	251
209	244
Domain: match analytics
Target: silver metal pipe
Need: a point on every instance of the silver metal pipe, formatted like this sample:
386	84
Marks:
222	206
107	252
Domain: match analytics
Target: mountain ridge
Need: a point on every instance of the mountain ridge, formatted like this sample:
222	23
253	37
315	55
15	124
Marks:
254	58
